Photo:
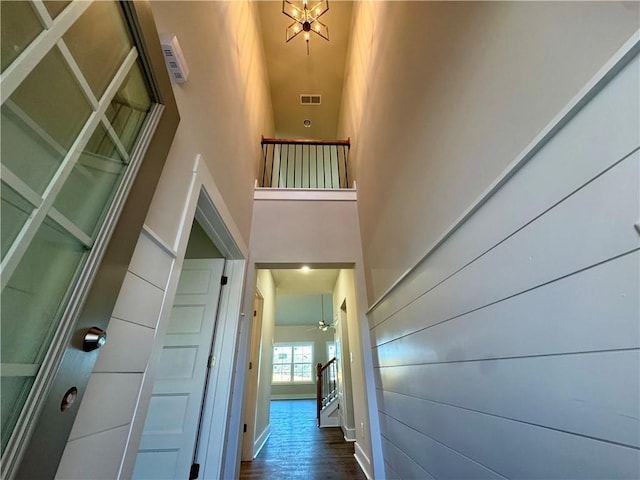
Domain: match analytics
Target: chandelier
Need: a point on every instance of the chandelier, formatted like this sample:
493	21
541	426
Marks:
306	20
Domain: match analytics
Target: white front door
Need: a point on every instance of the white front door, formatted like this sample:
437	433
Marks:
171	428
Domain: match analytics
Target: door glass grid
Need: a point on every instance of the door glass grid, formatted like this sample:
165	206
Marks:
42	120
55	7
99	59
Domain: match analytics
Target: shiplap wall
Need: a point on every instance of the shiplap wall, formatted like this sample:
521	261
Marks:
512	351
103	425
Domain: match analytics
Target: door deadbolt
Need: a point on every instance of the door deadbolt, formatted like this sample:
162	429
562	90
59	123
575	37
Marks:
94	339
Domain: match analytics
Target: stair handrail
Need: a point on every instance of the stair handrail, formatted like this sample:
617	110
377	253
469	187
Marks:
323	382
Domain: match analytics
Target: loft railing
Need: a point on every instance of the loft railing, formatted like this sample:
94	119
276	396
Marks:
289	163
326	384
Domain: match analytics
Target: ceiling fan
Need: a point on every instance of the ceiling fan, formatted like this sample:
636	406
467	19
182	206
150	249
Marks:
322	325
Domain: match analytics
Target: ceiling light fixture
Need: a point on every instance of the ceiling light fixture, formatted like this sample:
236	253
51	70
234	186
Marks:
305	20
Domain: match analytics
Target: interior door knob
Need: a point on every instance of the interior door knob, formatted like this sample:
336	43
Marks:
93	339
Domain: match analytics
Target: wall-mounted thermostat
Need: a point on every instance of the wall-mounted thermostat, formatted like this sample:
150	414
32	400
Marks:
173	57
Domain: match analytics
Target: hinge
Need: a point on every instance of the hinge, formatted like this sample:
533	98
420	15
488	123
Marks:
224	280
194	472
250	365
210	361
244	429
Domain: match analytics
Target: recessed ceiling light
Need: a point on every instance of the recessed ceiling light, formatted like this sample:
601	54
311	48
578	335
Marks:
305	269
307	123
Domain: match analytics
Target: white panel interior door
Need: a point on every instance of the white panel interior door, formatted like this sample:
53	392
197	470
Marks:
170	431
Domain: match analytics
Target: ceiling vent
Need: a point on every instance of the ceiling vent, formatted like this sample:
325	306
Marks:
310	99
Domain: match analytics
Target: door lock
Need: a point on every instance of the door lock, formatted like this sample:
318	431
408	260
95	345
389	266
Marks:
94	339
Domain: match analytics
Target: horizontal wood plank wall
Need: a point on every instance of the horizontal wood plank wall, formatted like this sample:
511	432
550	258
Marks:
99	437
513	350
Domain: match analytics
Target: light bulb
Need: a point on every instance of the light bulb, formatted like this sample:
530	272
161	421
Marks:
296	29
318	11
317	28
306	35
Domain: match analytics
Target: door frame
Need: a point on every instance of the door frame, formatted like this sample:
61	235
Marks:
249	450
204	203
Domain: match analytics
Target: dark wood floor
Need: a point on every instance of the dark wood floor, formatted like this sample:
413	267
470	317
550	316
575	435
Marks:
298	449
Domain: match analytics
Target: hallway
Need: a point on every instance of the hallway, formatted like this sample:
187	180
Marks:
298	449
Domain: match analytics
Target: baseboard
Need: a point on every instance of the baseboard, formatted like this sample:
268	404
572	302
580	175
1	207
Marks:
294	396
349	434
261	440
363	461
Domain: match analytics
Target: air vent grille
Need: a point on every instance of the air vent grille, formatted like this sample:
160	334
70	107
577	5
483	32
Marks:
310	99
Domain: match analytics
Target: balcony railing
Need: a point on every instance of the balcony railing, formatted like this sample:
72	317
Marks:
291	163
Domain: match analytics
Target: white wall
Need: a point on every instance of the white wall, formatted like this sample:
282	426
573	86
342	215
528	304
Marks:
224	106
511	350
441	96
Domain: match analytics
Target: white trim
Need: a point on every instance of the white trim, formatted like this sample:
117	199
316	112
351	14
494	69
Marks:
22	66
261	440
19	369
297	194
363	461
349	434
223	224
153	236
621	58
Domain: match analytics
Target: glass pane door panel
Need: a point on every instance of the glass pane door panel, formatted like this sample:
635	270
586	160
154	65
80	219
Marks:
129	107
87	193
14	395
55	7
13	214
99	42
33	300
19	25
51	98
34	158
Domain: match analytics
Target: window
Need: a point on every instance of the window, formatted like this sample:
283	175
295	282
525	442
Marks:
292	363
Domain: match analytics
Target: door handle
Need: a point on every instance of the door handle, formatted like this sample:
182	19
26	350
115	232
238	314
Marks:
94	339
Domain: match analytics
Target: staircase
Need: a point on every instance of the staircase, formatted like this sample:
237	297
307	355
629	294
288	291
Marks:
327	394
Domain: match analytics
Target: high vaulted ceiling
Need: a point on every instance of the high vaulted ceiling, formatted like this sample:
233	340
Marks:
292	72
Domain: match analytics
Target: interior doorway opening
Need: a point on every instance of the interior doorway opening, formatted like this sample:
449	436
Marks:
302	324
